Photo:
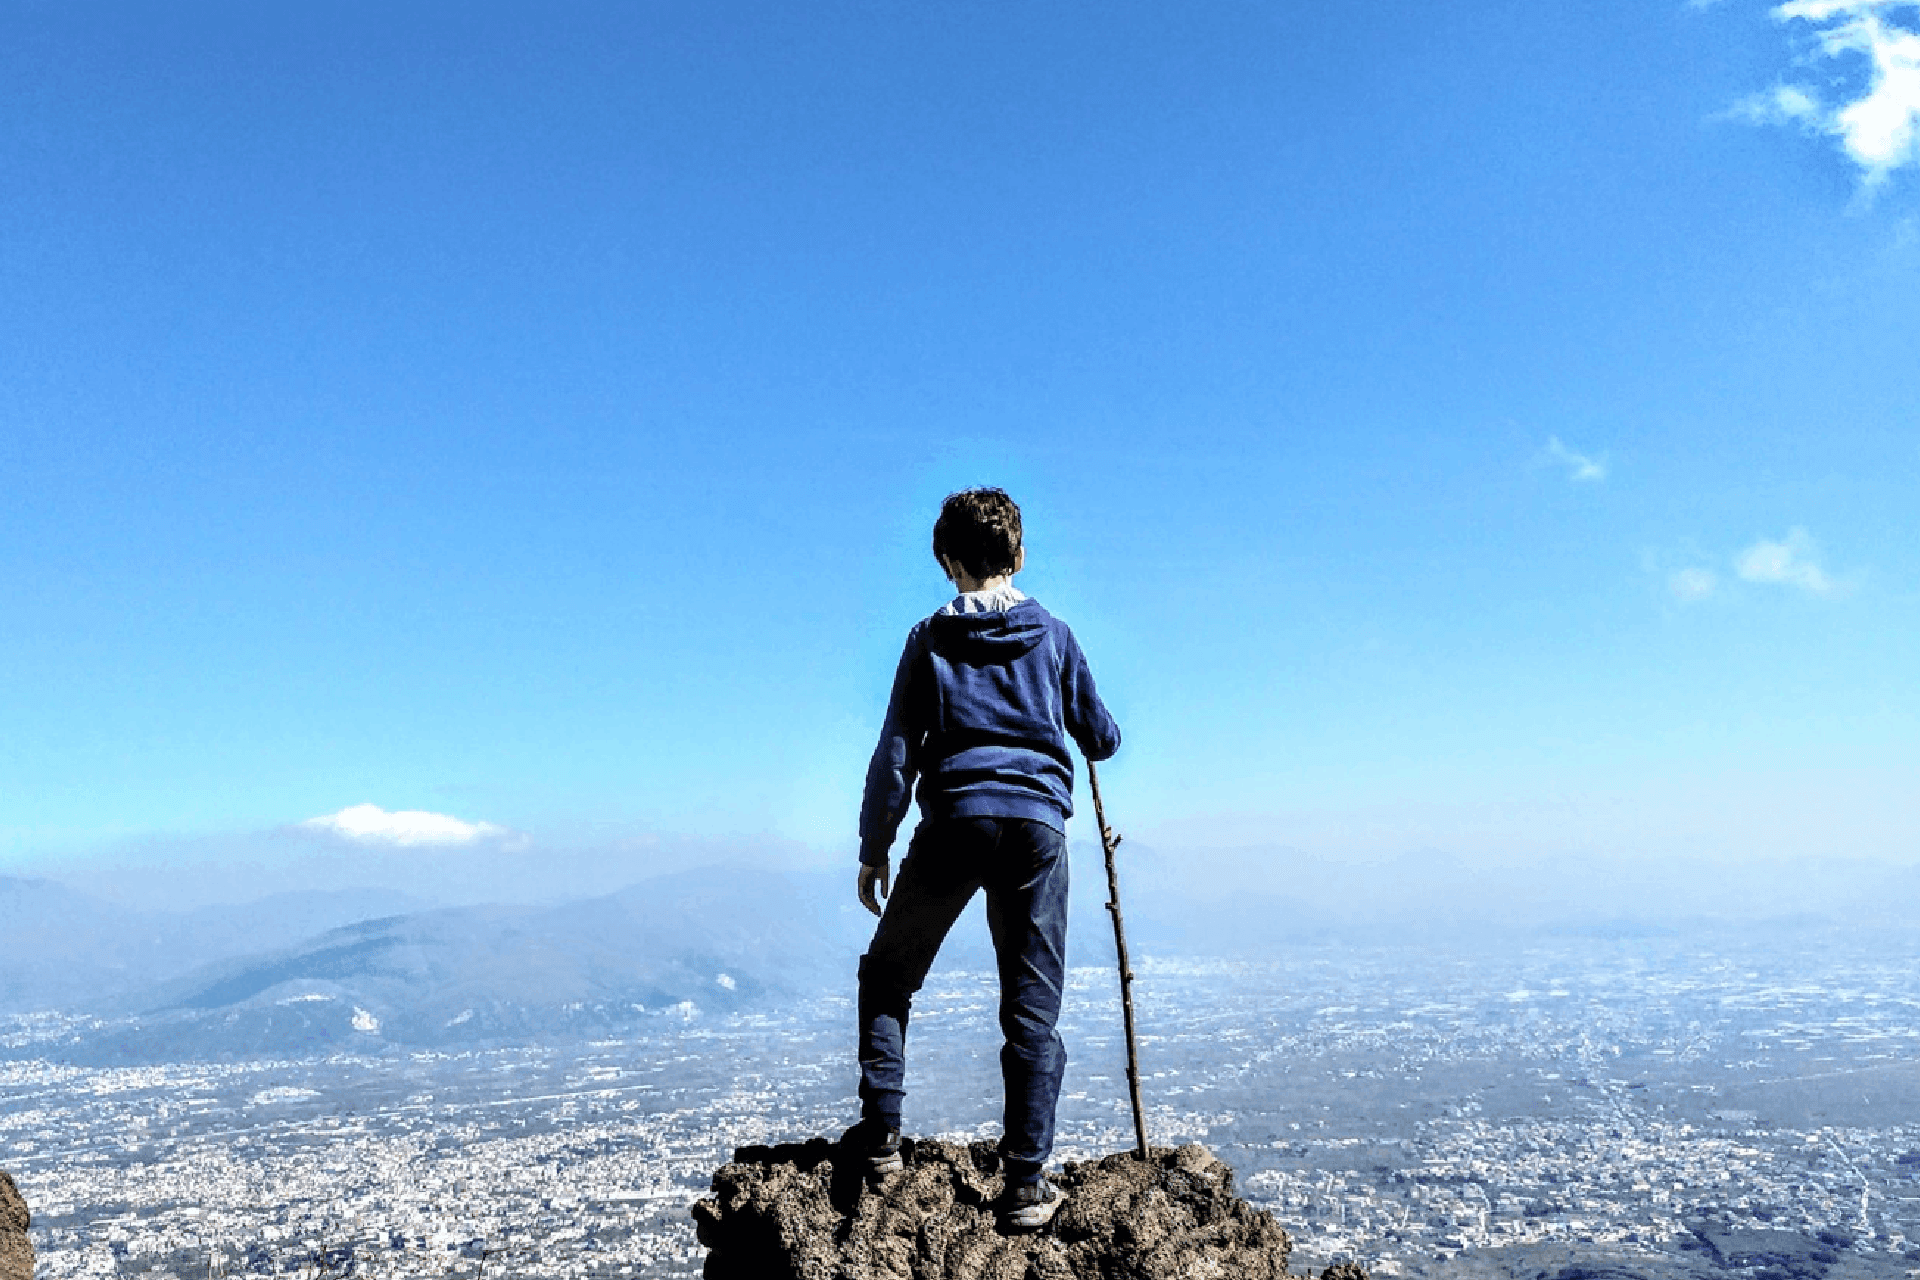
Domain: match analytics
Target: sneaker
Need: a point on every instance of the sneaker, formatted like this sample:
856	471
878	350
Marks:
876	1144
1030	1206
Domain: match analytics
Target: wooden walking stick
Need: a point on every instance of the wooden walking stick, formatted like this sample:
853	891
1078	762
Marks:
1110	840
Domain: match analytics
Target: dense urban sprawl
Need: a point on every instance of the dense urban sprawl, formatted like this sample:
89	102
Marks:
1622	1096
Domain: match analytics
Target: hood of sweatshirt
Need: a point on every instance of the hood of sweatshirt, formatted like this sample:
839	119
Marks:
997	636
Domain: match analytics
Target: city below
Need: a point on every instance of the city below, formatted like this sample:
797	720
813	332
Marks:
1668	1105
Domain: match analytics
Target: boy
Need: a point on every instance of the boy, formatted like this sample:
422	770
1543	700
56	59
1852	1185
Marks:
987	692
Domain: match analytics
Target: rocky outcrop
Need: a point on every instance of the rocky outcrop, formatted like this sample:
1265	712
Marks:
16	1247
797	1212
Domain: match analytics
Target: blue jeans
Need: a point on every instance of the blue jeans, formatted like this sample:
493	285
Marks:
1022	865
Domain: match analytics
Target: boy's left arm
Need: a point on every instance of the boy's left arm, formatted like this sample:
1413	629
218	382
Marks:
1086	716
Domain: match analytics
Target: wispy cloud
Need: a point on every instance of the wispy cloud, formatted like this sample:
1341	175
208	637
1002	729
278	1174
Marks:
370	824
1793	561
1878	120
1688	585
1579	466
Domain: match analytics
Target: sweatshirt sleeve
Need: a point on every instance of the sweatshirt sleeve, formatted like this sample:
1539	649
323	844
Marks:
895	762
1086	716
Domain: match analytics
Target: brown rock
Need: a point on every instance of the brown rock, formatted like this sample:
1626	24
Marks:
787	1213
16	1246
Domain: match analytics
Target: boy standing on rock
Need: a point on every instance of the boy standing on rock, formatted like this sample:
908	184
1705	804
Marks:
988	691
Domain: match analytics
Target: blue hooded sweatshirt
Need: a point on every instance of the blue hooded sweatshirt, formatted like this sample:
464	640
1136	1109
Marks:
982	707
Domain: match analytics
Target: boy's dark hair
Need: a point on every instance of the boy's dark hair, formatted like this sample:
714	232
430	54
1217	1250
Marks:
980	528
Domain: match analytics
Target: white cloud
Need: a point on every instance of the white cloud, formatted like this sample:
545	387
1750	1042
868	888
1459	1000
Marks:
370	824
1579	466
1795	103
1789	562
1692	584
1878	124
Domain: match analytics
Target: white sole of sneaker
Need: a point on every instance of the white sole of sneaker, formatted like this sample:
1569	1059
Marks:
1033	1216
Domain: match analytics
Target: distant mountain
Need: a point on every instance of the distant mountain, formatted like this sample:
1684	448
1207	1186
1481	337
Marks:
718	939
269	921
64	949
301	973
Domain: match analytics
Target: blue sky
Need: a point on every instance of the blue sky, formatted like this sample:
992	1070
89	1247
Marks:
1489	428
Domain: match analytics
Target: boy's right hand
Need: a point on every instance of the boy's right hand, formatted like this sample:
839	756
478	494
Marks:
880	877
